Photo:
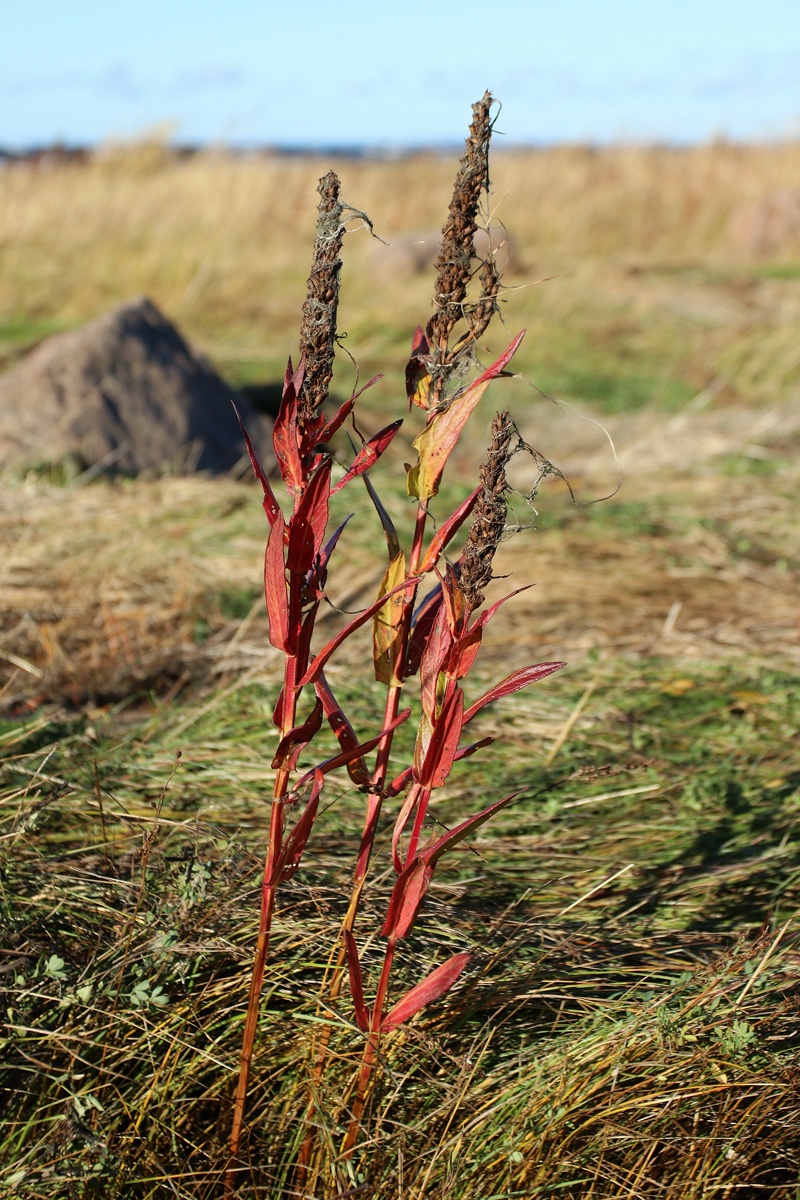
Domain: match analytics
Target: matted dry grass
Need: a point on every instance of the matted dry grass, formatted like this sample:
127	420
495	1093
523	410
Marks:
114	588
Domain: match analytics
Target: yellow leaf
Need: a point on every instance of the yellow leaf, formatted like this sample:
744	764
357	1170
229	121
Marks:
386	639
438	439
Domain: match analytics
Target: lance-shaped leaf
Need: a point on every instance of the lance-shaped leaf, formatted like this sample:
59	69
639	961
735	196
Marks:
334	425
292	743
334	644
356	981
435	849
512	683
347	756
421	625
326	432
285	436
407	896
317	577
387	640
275	585
401	781
270	503
431	988
443	744
308	522
437	441
343	731
368	455
295	843
446	532
416	795
392	540
439	641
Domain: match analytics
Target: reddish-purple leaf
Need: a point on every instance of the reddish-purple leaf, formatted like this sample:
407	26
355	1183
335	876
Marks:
318	575
307	524
421	626
368	455
270	503
334	425
468	751
334	644
435	849
402	781
431	988
343	731
285	437
437	648
446	532
443	745
407	896
416	796
512	683
349	755
356	981
293	742
295	843
275	585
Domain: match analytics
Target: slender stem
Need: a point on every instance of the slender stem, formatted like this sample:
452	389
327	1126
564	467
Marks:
370	1051
268	888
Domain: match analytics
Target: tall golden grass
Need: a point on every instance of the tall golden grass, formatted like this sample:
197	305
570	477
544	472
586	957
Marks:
650	247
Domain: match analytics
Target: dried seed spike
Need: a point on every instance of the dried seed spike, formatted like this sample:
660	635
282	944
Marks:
453	265
318	329
489	514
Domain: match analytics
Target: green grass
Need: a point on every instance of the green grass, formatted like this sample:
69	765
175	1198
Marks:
638	1033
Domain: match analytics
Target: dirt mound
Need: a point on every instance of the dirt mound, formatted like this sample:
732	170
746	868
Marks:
127	393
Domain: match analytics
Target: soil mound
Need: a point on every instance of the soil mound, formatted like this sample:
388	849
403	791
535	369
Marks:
124	393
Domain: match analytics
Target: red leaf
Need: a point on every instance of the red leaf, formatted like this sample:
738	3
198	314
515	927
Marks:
334	644
407	896
443	745
468	751
292	743
437	648
343	731
402	781
285	437
512	683
446	532
270	503
275	586
430	989
295	843
434	850
421	625
416	796
347	756
356	981
308	522
336	422
368	455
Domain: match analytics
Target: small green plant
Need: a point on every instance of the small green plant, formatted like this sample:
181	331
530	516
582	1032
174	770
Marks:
435	639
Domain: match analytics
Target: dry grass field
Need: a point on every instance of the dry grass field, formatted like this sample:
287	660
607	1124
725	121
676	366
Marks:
628	1026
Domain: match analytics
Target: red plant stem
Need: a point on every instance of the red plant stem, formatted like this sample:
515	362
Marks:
292	671
370	1051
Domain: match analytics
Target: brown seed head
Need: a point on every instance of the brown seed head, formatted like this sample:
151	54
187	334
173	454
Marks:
318	329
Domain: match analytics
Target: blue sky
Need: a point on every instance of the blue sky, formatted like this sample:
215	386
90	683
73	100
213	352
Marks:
317	73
